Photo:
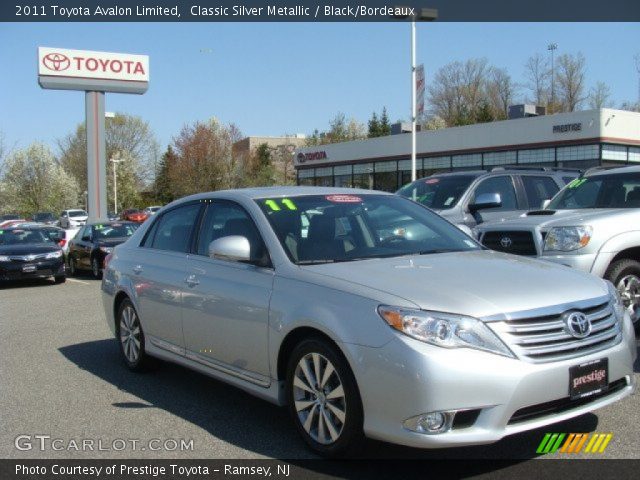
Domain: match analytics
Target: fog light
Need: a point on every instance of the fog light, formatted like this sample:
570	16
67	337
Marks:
430	423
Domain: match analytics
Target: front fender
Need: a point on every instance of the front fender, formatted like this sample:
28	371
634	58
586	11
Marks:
612	247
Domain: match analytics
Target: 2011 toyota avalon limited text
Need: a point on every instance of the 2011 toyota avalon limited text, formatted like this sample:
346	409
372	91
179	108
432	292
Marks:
366	314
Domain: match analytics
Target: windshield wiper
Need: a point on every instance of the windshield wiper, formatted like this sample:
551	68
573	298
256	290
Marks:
440	250
314	262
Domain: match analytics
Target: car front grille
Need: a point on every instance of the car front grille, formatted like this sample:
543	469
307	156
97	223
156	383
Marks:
546	339
516	242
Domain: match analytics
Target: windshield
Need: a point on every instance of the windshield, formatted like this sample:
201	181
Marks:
115	230
344	227
439	193
600	191
78	213
23	237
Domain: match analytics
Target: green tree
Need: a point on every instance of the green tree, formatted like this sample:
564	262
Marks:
385	127
32	181
162	182
374	126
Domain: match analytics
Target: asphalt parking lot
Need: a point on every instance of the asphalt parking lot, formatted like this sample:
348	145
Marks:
61	376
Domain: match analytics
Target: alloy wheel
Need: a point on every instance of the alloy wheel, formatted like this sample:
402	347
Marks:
319	398
629	289
130	334
95	267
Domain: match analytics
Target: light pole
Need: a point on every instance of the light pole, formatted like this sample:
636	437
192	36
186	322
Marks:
115	162
423	14
552	47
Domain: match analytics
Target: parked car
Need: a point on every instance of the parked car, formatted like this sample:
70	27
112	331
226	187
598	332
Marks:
151	210
90	246
133	215
9	222
73	218
55	234
380	318
113	216
591	225
472	197
30	252
46	218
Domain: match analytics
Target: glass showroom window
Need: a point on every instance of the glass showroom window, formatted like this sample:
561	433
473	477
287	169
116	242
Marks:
363	175
467	161
614	152
539	155
342	176
578	152
499	158
436	164
386	176
634	154
324	177
305	176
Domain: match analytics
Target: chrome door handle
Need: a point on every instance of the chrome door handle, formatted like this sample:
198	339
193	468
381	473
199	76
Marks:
137	269
191	281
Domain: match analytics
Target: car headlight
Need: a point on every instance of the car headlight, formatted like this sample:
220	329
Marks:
106	249
4	258
565	239
616	301
444	329
56	254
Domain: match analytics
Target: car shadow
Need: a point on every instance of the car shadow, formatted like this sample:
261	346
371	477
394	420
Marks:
228	413
32	282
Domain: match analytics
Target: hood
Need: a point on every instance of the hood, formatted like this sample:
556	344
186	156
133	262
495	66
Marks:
34	248
557	218
478	283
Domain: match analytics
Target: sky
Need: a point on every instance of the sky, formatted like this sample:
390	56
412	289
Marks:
283	78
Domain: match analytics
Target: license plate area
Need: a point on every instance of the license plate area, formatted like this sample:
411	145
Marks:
29	268
588	378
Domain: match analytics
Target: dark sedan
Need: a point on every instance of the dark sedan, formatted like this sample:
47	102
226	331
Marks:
30	252
94	242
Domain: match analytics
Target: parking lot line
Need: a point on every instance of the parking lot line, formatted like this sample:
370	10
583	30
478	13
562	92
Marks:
77	281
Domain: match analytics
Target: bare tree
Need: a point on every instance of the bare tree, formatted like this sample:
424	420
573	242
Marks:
599	96
501	90
538	77
341	129
570	78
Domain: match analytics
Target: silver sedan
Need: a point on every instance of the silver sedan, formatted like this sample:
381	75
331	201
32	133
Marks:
366	314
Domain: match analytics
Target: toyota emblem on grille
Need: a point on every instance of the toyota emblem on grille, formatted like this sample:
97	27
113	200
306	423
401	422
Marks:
577	324
506	242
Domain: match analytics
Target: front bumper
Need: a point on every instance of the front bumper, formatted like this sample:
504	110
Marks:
36	269
582	262
406	378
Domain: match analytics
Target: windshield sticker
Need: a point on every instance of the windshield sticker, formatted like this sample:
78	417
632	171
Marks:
344	198
98	227
1	232
272	205
449	201
431	181
577	182
288	203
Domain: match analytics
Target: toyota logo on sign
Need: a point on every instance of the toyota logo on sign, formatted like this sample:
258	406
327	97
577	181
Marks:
56	62
577	324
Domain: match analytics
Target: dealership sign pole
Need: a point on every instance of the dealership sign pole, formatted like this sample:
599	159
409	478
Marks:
94	73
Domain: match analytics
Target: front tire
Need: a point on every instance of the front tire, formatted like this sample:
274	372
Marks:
60	279
95	269
625	276
323	399
72	267
131	339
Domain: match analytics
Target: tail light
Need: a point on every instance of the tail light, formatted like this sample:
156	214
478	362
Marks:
62	243
107	259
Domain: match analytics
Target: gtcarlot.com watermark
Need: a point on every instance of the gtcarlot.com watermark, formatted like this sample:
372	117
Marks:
45	443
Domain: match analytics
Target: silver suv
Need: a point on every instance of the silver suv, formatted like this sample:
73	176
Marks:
346	306
593	225
473	197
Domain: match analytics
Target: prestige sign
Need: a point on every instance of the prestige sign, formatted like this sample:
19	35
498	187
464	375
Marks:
65	69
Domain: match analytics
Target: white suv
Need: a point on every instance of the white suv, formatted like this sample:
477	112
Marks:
73	218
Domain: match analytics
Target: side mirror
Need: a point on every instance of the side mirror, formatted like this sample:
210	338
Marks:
485	201
234	248
546	203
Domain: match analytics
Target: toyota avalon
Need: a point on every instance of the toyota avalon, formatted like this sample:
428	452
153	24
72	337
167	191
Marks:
366	314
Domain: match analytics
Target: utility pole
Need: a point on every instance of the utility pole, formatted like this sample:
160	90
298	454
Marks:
552	47
115	162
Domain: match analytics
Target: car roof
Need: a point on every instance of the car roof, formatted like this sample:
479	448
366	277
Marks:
601	171
290	191
111	222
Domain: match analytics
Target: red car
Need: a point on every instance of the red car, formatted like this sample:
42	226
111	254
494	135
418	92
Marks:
133	215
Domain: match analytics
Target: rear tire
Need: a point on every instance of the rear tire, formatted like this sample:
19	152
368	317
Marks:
131	339
95	269
326	412
60	279
72	267
625	276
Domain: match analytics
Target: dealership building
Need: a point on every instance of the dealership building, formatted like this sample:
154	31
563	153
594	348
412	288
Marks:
576	140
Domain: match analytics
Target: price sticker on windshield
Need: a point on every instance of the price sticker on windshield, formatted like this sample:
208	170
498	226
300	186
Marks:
344	198
431	181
